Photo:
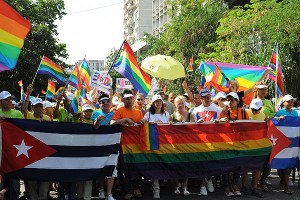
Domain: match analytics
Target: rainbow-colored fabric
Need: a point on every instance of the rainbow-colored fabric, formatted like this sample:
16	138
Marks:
23	95
85	74
50	90
246	75
128	66
13	30
52	69
149	137
73	78
197	150
219	81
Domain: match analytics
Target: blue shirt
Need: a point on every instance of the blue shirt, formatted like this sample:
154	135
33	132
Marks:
284	112
108	116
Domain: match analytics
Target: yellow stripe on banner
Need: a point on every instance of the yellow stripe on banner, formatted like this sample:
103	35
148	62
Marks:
245	83
10	39
196	147
147	137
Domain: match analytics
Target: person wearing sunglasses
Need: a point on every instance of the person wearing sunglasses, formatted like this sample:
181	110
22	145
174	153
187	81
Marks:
102	117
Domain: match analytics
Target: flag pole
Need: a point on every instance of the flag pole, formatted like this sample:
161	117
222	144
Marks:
115	58
37	71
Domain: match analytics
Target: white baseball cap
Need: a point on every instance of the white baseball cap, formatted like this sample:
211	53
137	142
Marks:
4	95
261	86
36	101
156	97
287	98
256	104
86	107
127	95
221	95
70	95
234	95
48	104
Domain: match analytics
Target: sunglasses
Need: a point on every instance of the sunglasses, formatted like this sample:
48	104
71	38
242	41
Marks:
223	99
255	110
104	101
140	99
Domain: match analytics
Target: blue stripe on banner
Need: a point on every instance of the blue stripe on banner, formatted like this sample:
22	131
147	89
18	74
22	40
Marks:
90	151
64	128
60	175
288	121
284	163
295	142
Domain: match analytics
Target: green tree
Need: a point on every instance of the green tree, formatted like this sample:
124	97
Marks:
110	59
41	40
192	26
247	35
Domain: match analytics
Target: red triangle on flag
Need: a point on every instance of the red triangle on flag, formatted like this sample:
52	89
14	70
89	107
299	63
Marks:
278	139
20	149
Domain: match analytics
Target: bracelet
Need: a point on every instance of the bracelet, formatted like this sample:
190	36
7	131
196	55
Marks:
26	100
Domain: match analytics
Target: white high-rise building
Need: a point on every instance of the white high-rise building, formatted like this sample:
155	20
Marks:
142	16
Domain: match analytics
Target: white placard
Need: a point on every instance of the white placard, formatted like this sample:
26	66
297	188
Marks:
101	81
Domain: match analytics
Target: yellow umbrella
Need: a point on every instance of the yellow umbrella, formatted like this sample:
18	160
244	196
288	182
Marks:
165	67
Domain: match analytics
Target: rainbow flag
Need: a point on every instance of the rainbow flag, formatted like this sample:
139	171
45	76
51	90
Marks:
13	30
85	74
75	102
219	81
190	68
149	137
246	75
272	64
50	90
128	66
23	95
73	78
197	150
202	82
52	69
43	91
279	85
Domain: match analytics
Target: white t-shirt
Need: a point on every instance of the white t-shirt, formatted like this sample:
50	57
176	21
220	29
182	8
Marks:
163	118
209	113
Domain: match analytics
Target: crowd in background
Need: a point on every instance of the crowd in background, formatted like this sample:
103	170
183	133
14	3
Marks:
131	108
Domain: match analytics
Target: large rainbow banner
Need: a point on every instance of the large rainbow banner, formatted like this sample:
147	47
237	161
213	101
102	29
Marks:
197	150
246	75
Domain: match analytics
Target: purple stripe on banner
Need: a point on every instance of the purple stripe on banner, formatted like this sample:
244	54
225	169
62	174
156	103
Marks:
195	169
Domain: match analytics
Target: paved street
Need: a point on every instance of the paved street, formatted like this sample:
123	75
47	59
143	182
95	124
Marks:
167	191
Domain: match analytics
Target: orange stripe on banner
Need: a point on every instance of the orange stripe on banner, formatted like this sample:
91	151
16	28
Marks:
201	133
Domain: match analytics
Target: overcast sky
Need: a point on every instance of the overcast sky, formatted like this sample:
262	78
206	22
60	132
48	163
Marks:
91	28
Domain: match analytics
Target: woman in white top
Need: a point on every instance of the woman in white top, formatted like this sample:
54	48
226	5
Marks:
157	114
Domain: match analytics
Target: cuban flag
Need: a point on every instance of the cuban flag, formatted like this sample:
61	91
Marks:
284	135
56	151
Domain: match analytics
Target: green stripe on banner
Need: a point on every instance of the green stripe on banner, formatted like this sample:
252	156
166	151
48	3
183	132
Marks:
192	157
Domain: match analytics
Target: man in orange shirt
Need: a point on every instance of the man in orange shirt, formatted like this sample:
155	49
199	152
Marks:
128	116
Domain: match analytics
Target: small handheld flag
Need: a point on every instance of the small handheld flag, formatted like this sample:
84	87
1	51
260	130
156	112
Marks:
13	30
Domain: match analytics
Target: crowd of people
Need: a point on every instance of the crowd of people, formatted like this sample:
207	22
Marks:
133	108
